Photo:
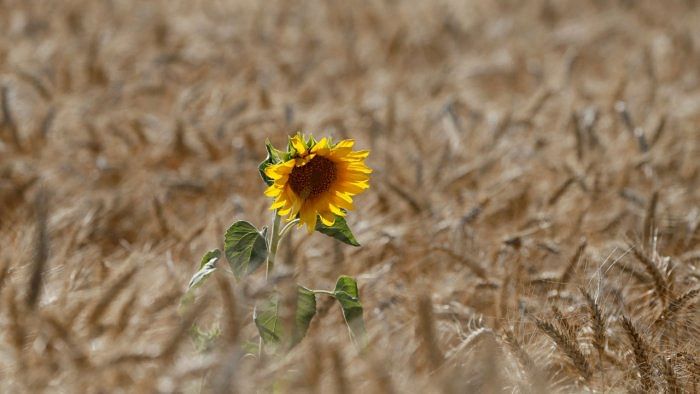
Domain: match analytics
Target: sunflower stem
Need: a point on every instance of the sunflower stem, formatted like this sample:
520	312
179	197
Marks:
327	292
275	236
287	228
273	242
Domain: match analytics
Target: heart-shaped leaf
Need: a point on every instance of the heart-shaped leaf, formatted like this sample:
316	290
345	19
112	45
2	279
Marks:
348	296
206	267
339	230
270	325
306	310
245	248
267	318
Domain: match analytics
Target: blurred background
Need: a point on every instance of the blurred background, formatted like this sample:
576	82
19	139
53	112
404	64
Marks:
520	149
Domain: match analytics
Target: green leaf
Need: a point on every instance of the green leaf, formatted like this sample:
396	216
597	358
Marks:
250	347
206	267
349	298
306	310
339	230
270	326
273	157
204	340
267	319
245	248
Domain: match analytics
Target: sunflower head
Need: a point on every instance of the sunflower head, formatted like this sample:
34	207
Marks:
315	179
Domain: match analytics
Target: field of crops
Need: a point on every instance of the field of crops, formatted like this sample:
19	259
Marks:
532	222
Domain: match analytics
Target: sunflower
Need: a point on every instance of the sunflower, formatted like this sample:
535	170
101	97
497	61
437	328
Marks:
318	179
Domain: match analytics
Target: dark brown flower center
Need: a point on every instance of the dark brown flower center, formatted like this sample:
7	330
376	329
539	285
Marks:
314	178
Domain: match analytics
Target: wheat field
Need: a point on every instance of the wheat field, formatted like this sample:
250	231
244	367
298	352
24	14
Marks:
532	226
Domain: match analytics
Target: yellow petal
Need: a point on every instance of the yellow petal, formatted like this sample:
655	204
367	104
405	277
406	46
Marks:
359	155
336	210
271	171
280	202
290	199
273	191
283	202
327	218
277	171
344	144
352	176
287	166
281	181
343	201
301	161
359	167
343	196
342	149
321	147
307	216
296	206
353	187
298	144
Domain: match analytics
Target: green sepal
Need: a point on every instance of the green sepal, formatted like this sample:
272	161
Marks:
291	151
310	142
274	156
